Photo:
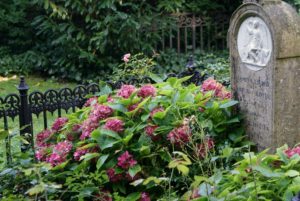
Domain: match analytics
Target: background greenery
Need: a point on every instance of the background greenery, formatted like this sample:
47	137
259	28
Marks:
86	39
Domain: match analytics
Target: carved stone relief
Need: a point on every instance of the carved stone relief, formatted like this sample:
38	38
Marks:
254	43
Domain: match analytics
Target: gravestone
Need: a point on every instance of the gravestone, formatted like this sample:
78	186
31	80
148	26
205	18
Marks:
264	42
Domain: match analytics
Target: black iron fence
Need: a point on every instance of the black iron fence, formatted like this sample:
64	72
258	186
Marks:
194	31
23	106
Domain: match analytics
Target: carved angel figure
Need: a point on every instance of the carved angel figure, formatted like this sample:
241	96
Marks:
255	48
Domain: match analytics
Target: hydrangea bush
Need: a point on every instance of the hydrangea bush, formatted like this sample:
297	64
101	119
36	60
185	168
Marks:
142	144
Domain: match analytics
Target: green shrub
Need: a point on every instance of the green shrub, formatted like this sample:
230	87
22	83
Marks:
258	176
135	143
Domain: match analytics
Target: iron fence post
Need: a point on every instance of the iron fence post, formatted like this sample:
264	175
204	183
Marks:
24	116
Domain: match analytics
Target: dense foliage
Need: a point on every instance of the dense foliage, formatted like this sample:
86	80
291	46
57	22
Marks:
133	144
214	64
76	39
158	142
261	176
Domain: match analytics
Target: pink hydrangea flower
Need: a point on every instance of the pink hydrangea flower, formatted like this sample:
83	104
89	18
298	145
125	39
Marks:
42	137
291	152
115	125
113	177
63	147
155	110
76	128
99	112
126	57
180	135
224	94
150	132
91	101
59	123
126	160
60	153
147	90
145	197
55	159
126	91
70	137
205	147
88	127
104	195
219	90
78	153
133	107
201	109
211	85
110	99
41	154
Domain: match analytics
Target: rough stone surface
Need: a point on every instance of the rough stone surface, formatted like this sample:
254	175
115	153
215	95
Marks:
270	95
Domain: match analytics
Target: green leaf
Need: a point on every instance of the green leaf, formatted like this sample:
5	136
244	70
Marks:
3	134
89	156
37	189
110	133
145	117
292	173
118	107
145	150
101	161
155	180
128	138
229	104
60	166
266	171
105	138
134	170
156	78
133	196
137	182
183	169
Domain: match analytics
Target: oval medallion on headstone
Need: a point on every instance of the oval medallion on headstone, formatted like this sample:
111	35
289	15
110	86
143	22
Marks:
254	43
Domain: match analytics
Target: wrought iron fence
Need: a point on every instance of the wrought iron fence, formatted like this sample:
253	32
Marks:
192	31
24	106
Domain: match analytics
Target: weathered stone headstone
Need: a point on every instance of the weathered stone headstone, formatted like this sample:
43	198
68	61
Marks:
264	42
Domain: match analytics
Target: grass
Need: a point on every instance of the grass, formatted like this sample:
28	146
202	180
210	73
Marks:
35	83
9	85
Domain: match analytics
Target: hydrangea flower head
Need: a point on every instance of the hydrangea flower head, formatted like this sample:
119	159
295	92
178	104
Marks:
60	153
115	125
78	153
180	135
113	177
219	90
211	85
147	90
41	154
150	132
99	112
205	147
291	152
126	91
91	101
126	160
145	197
59	124
42	137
